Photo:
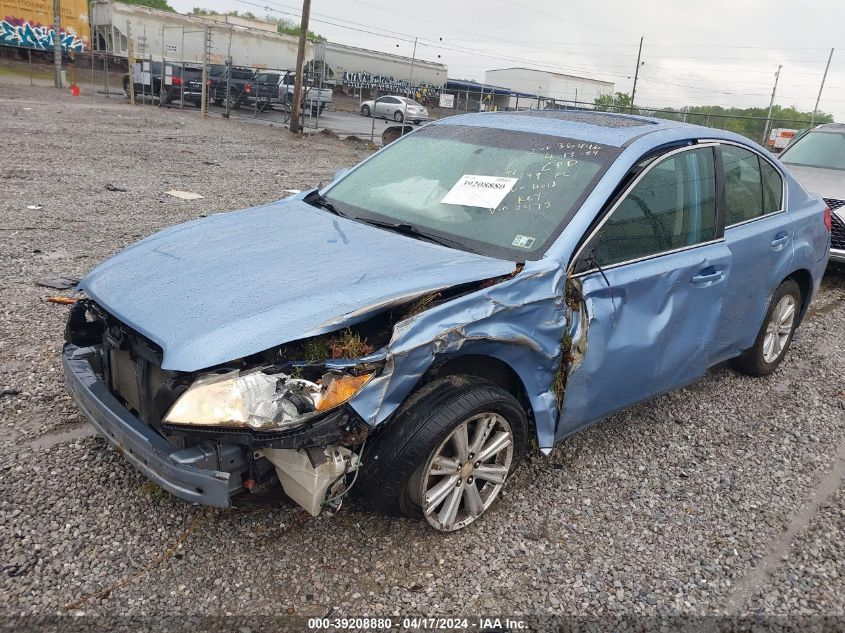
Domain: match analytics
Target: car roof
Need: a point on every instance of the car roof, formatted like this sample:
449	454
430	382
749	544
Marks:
588	125
834	127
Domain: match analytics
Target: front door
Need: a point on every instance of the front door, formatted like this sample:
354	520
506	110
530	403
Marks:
652	277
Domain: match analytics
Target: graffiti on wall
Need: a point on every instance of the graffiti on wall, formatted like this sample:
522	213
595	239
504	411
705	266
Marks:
20	32
385	83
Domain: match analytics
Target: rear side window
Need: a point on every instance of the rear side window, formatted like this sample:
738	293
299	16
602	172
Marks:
752	186
772	187
743	187
673	206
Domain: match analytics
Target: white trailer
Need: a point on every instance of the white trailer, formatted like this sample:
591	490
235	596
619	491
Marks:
549	85
363	68
180	38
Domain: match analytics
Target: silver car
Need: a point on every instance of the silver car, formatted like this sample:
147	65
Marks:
817	160
395	107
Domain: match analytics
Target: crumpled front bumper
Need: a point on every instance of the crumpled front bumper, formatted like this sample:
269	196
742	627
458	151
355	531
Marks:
176	470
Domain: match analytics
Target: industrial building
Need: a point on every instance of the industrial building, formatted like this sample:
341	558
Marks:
550	85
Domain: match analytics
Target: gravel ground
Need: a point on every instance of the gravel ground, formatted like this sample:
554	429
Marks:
724	497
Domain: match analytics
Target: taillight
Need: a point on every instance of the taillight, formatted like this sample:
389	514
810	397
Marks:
828	222
247	88
208	83
177	81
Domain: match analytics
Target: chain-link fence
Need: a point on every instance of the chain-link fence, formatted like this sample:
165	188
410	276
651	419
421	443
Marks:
355	105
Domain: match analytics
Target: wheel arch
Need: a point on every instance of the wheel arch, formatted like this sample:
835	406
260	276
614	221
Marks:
804	279
486	367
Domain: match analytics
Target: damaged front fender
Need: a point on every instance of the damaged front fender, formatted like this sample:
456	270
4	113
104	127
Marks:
519	321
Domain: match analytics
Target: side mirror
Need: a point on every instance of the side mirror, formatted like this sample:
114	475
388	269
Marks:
340	173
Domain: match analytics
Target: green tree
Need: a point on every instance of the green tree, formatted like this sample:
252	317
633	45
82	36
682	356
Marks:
288	27
617	102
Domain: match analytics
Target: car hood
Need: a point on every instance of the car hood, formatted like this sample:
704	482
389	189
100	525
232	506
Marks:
828	183
230	285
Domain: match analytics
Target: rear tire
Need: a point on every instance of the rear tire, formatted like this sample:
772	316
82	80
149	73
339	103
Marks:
365	111
401	463
775	334
398	116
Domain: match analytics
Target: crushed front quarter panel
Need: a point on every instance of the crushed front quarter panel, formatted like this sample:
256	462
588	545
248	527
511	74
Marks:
519	321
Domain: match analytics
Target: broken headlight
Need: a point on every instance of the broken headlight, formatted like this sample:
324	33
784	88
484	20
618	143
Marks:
260	401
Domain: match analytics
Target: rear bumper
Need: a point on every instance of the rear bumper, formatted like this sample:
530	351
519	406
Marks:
175	470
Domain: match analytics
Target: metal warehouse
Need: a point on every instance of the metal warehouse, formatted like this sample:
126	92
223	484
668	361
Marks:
550	85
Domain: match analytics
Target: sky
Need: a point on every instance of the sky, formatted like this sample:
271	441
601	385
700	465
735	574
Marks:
713	52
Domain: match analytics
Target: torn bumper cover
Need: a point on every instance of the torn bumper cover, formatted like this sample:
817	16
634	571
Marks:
176	470
211	471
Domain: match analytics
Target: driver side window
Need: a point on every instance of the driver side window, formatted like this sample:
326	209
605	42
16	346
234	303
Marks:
671	207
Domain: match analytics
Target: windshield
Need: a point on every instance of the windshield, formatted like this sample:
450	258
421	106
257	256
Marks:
498	192
410	102
819	148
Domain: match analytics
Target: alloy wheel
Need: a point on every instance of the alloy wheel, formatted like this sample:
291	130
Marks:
465	473
779	328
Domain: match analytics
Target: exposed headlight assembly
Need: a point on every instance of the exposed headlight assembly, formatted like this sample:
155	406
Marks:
260	401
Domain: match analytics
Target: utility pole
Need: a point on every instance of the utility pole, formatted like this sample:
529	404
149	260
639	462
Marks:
130	45
636	74
411	76
57	41
206	34
300	62
819	98
771	105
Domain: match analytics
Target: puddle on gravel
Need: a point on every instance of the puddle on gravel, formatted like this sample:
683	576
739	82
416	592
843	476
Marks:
51	439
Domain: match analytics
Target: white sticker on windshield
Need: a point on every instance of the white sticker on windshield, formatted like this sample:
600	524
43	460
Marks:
523	241
486	192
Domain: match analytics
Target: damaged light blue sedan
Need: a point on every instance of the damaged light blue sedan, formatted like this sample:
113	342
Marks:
488	284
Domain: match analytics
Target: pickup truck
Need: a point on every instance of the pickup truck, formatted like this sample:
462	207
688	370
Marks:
218	78
271	88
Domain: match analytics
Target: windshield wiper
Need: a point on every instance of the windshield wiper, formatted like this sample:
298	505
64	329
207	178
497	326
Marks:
316	200
404	228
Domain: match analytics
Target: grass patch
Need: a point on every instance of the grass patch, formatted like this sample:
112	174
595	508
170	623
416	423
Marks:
153	490
349	344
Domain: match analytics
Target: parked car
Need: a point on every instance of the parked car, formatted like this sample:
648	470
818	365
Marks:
395	107
221	86
175	76
277	88
408	331
817	160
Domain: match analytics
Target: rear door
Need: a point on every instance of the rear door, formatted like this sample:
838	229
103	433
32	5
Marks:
760	235
652	275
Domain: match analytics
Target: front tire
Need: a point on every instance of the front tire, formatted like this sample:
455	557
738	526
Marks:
365	111
447	453
775	334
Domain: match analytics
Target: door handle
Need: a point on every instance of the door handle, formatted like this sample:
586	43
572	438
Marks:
708	276
780	240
